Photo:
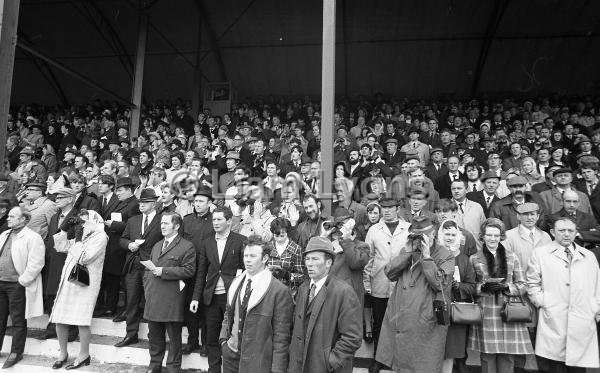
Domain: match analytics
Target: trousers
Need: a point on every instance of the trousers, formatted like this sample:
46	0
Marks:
157	342
12	302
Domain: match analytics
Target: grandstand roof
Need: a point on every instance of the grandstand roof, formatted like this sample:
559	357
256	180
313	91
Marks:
415	48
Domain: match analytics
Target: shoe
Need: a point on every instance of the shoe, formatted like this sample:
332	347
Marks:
375	367
155	370
11	360
127	341
120	317
203	351
59	363
78	364
188	348
47	335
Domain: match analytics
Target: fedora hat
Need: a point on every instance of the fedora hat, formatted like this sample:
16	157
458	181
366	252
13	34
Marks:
148	195
124	181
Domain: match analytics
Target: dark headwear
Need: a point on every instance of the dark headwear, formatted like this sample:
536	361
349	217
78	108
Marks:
148	195
341	214
388	202
321	244
124	181
420	224
205	191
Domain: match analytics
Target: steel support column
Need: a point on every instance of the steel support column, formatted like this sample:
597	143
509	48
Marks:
327	103
9	17
197	88
138	75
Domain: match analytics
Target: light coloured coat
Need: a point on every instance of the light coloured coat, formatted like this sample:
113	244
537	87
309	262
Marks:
74	304
383	248
471	219
27	253
41	210
519	242
569	300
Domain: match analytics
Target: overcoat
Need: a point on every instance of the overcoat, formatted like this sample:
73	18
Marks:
266	334
41	211
410	339
554	203
74	304
519	242
55	260
115	256
349	264
27	253
569	300
325	339
165	300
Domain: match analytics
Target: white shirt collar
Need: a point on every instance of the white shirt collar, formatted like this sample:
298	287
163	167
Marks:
318	285
150	216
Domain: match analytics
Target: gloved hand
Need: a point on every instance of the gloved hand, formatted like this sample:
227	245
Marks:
485	288
78	232
497	287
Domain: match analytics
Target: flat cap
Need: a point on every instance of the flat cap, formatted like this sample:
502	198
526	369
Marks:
388	202
517	180
63	191
489	174
421	224
435	150
233	155
391	141
321	244
562	170
527	207
417	191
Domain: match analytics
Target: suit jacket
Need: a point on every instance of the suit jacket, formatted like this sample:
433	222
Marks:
479	197
442	184
406	215
594	197
132	232
553	201
165	301
519	242
210	268
42	210
88	202
328	331
471	219
505	210
433	173
55	260
587	226
115	256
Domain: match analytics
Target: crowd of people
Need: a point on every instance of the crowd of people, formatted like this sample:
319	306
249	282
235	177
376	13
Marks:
216	223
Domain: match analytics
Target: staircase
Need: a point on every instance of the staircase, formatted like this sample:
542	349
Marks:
39	355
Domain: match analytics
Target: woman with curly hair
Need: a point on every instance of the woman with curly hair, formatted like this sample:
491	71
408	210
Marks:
499	275
285	258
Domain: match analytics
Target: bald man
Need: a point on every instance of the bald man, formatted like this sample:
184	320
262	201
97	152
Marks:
588	229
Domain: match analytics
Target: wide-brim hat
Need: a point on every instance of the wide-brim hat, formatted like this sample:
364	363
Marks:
205	191
124	181
36	184
341	214
388	202
421	224
63	191
321	244
148	195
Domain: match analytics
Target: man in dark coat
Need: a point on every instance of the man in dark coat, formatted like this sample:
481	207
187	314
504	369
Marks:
173	260
83	200
487	196
140	234
442	184
436	168
590	185
588	229
220	261
55	260
196	227
327	320
255	335
505	208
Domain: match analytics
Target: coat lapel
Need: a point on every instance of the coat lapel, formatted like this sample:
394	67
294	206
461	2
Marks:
171	246
228	244
151	226
314	313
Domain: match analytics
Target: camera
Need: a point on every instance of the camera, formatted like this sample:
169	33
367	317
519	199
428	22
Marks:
331	225
416	240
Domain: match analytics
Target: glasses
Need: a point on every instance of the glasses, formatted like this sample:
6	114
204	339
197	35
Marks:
280	234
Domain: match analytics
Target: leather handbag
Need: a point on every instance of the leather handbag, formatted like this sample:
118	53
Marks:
518	311
79	274
441	309
466	313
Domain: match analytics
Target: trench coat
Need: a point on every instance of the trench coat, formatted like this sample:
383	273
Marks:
266	335
326	340
165	301
569	302
27	253
41	210
383	247
554	203
74	304
410	339
349	264
519	242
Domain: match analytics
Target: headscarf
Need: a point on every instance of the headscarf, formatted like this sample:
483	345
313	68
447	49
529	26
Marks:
93	222
454	247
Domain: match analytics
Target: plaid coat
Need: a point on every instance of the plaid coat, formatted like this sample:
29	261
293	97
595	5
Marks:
290	261
494	336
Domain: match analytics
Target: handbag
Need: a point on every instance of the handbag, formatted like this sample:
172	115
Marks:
466	313
79	274
519	311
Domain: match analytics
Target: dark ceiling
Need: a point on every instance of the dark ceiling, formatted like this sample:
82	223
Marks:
414	48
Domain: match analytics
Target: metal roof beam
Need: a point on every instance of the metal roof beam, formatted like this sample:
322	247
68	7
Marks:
214	42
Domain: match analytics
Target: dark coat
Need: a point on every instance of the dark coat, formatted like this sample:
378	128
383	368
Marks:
480	198
325	337
88	202
196	229
11	197
504	209
266	336
209	267
594	197
432	173
165	302
348	265
132	232
54	260
587	226
442	184
115	256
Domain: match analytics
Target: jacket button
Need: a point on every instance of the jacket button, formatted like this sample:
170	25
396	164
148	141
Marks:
568	284
389	243
404	287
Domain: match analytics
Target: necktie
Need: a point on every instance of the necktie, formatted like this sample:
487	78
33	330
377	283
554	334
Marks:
487	201
145	224
474	188
244	308
592	187
455	177
165	245
311	293
103	203
531	236
414	144
569	255
460	207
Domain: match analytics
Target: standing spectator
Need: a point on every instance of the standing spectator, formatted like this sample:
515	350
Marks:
470	214
505	208
21	263
285	258
49	158
327	320
39	207
436	167
463	290
411	339
83	200
552	198
416	146
590	185
530	173
566	339
442	184
497	341
486	196
252	342
385	239
139	236
84	241
220	261
524	238
588	229
312	225
514	161
174	260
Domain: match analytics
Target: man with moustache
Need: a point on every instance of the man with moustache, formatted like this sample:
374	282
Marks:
506	208
312	225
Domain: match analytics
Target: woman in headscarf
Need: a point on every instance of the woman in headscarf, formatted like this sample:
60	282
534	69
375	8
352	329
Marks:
49	158
463	290
84	241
